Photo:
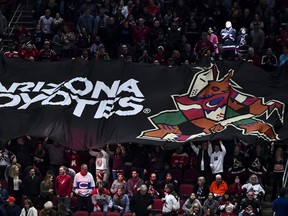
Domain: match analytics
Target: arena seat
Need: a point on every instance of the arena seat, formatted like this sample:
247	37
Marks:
81	213
185	190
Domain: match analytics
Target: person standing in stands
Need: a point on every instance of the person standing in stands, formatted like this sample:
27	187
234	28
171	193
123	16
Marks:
228	35
203	153
280	204
217	158
101	162
63	187
142	202
171	203
83	186
56	155
31	186
134	183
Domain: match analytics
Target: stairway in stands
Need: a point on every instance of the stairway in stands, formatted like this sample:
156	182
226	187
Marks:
21	14
267	203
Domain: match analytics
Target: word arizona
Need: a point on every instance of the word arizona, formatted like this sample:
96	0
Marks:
122	99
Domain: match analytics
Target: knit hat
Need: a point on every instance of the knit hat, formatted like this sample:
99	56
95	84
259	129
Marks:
48	205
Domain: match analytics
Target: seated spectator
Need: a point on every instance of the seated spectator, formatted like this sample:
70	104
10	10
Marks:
201	189
124	52
145	58
250	205
101	200
236	189
134	183
48	209
29	209
12	209
170	180
11	53
189	203
120	182
188	54
253	58
179	159
210	205
100	182
228	210
28	52
253	185
269	62
142	202
102	54
160	56
171	203
284	56
47	54
153	186
203	45
139	49
121	202
218	187
195	210
227	199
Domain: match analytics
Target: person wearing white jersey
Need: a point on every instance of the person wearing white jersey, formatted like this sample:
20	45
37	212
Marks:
101	162
217	158
83	186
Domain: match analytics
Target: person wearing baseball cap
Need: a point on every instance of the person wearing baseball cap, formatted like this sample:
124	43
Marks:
12	209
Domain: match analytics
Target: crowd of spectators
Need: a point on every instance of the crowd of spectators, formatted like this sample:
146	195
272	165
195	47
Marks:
217	178
166	32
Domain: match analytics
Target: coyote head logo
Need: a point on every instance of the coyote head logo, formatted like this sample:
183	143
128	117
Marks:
212	104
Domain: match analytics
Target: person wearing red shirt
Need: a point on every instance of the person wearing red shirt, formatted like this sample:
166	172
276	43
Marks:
73	160
22	35
11	54
203	45
253	58
179	159
47	54
140	31
153	9
28	52
63	187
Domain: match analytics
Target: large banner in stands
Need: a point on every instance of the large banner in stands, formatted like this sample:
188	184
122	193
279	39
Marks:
85	104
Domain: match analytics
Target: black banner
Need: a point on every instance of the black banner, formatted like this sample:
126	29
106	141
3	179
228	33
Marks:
85	104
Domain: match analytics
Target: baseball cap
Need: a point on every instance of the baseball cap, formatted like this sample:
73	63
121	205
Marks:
11	199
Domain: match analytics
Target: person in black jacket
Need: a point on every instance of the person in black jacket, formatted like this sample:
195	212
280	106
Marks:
141	203
12	209
31	186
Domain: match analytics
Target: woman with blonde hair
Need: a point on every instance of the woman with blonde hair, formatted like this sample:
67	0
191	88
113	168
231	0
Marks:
46	188
15	183
195	210
29	209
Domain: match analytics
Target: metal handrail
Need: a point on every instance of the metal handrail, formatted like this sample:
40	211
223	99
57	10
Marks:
285	175
16	21
17	9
